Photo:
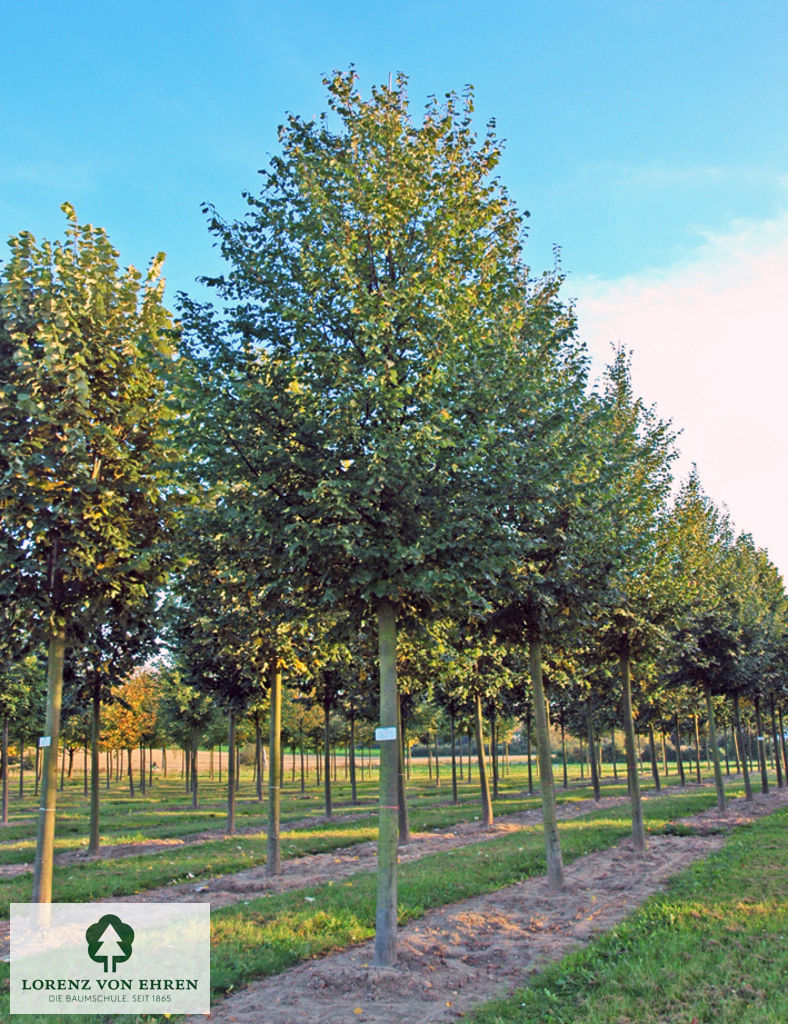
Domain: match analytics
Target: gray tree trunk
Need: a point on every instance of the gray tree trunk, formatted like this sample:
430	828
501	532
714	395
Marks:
388	825
95	736
654	766
273	848
45	839
484	782
638	831
592	752
231	774
555	866
740	743
715	750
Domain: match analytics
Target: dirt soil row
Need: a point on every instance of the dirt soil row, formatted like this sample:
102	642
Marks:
457	957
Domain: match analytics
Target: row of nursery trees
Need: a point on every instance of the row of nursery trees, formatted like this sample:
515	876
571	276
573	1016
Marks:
328	730
374	462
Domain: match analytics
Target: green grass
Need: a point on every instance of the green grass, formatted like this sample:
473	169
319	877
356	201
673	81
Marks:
265	936
165	810
106	878
100	879
711	949
249	940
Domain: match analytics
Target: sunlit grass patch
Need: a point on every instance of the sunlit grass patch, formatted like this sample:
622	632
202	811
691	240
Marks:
713	949
432	881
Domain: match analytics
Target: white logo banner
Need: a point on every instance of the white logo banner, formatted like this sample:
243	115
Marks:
110	958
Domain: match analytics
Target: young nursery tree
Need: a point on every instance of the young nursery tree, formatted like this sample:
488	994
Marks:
372	308
82	439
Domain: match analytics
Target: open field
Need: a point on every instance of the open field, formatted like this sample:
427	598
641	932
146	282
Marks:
266	927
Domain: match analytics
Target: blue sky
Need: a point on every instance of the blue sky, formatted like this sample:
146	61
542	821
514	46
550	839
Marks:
648	139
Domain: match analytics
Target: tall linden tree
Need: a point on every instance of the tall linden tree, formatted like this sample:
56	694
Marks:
360	369
83	440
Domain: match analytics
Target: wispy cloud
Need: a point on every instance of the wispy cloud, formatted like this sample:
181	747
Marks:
710	349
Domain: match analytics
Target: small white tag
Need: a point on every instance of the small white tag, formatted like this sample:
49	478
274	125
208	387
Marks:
387	733
45	741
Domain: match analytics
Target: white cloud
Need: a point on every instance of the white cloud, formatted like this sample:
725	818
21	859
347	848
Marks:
710	349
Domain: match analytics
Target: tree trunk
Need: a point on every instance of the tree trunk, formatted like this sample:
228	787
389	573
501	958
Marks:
761	740
783	744
470	734
563	752
231	774
654	766
715	750
194	774
386	907
740	742
4	769
45	839
613	754
142	769
697	750
327	750
528	724
95	736
592	752
775	743
555	867
484	783
273	847
352	757
494	753
130	771
258	758
402	800
638	831
454	796
679	760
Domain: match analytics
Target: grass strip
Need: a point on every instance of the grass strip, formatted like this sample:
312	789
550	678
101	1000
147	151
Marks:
108	877
261	937
102	879
162	814
710	949
265	936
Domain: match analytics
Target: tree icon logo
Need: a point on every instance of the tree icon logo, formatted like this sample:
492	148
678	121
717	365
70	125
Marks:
109	941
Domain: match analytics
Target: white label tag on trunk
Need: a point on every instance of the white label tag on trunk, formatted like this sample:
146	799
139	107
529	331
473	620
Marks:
45	741
387	733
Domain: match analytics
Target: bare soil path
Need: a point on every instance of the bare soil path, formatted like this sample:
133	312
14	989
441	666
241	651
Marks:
459	956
